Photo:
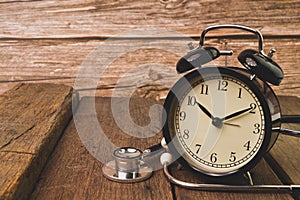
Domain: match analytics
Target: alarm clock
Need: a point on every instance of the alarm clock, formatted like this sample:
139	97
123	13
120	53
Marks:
223	120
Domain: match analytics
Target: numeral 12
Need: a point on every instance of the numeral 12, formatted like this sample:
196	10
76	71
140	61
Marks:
222	85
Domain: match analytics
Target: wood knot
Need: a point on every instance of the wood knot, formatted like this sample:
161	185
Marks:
154	75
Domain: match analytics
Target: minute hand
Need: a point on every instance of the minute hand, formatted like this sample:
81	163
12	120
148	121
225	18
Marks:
238	113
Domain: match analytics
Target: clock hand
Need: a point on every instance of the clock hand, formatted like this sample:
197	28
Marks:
204	110
236	114
230	124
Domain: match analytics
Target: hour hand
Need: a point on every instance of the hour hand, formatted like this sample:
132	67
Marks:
204	110
217	122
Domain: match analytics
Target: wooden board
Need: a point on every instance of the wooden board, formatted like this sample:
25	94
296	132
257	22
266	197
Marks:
147	65
32	118
75	172
95	18
72	171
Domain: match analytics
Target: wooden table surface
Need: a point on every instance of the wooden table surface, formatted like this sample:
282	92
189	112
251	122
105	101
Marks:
74	170
44	155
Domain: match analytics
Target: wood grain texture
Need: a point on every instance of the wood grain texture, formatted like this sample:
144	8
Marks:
48	40
32	118
95	18
73	173
130	64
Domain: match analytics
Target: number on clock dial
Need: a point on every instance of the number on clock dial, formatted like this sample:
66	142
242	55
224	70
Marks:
222	86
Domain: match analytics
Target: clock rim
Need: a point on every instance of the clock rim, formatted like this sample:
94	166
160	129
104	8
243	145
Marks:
171	102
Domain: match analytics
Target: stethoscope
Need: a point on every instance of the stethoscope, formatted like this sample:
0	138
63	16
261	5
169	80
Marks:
129	166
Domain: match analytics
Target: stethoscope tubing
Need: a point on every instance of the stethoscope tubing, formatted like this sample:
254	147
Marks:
221	187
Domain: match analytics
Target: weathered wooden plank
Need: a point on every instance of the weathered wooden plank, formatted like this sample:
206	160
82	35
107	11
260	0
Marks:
94	18
139	63
32	118
73	173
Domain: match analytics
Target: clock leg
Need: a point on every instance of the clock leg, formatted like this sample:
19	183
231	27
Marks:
248	176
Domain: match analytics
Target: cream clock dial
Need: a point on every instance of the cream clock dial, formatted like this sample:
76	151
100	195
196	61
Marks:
224	139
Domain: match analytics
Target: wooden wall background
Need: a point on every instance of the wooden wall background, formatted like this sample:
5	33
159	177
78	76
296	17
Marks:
47	41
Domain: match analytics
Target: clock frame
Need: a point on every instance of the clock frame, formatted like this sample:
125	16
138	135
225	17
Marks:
262	91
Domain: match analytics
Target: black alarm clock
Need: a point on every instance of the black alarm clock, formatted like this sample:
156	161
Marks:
223	120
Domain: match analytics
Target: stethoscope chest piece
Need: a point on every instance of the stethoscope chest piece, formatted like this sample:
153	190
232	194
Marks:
127	167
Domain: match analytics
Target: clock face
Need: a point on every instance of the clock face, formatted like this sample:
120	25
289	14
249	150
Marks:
218	124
